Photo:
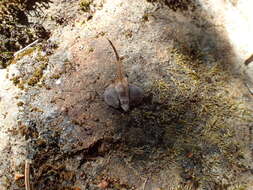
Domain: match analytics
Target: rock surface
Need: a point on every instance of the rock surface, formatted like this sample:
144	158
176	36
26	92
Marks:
194	128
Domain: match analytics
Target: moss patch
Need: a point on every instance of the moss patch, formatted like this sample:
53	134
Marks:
193	118
37	75
20	103
15	30
33	78
85	5
175	5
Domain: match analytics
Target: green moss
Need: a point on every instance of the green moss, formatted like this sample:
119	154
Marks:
100	34
55	76
128	34
37	75
32	81
145	17
20	103
175	5
4	57
23	54
26	52
15	80
36	109
21	86
198	116
85	4
91	50
41	58
15	29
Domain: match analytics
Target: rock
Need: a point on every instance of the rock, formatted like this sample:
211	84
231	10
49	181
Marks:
187	56
249	77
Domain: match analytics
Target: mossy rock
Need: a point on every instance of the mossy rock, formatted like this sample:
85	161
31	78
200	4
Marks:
16	32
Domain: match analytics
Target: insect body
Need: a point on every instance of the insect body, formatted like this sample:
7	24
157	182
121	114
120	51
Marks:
121	93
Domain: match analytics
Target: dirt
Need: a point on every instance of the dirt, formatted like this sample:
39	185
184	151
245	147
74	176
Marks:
192	131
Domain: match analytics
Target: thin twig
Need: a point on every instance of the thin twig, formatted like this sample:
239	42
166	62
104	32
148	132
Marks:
249	60
27	175
145	183
25	48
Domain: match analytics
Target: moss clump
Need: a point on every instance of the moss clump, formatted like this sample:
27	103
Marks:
20	103
128	34
90	50
146	16
198	117
36	109
85	5
15	30
175	5
4	57
55	76
22	81
15	80
22	54
37	75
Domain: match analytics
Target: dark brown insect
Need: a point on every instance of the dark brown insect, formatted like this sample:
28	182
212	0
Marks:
121	93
